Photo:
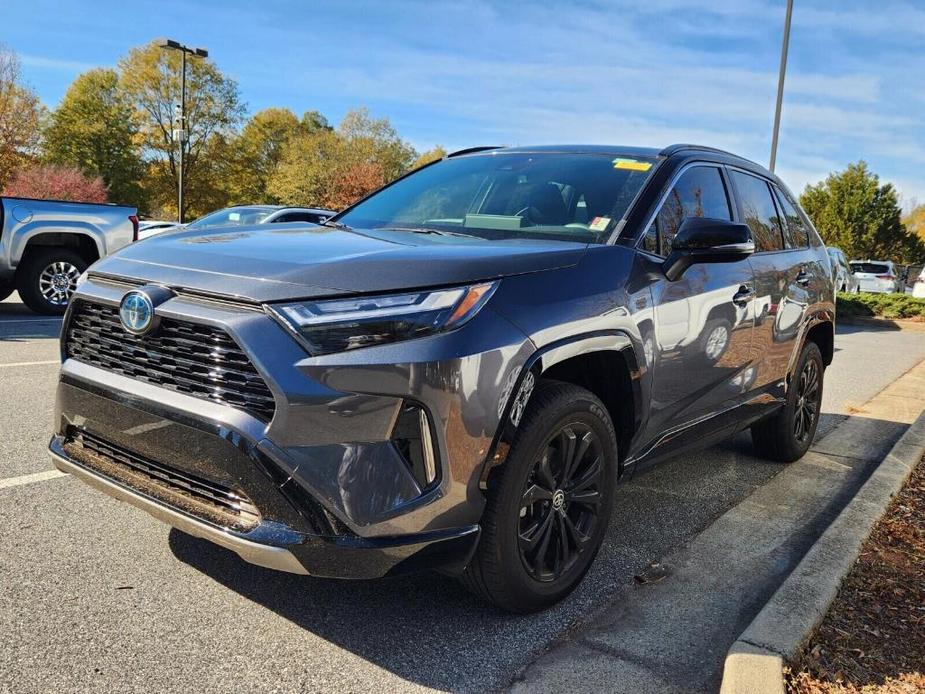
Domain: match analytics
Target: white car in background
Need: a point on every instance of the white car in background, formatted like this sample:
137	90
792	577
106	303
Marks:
150	227
918	289
876	276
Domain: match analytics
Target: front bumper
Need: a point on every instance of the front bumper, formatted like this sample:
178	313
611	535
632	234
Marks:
333	495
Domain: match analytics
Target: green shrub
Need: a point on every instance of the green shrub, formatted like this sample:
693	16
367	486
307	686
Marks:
881	305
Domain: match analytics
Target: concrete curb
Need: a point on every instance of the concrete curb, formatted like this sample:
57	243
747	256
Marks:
755	662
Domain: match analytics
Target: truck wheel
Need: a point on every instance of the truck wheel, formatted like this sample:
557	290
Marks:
6	290
47	277
549	504
789	432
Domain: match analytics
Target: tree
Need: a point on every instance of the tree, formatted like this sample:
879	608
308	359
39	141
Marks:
427	157
55	182
852	211
20	118
915	221
93	130
333	169
150	77
431	155
260	148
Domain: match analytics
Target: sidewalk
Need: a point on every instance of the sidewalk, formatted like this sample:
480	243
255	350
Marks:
672	634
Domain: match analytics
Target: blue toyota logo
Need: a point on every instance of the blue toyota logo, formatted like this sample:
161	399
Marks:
136	313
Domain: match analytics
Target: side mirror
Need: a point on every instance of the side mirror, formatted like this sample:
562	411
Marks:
704	240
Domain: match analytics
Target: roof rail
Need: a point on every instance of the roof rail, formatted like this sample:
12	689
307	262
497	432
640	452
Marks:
470	150
672	149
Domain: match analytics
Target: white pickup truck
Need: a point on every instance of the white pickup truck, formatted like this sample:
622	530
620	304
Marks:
45	245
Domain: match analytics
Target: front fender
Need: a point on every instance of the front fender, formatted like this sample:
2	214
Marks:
521	388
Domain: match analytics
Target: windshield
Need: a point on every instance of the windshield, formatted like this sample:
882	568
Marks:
232	216
873	268
571	197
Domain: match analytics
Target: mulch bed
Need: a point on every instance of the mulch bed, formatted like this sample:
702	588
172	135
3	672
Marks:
873	637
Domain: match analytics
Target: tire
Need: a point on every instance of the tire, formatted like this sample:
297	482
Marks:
6	290
42	276
782	437
717	334
509	568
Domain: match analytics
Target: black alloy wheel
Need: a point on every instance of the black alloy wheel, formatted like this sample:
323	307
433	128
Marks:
548	505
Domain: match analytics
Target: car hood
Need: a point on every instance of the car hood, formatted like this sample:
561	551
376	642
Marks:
259	264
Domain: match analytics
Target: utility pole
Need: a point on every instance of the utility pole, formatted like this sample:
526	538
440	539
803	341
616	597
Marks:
780	84
180	133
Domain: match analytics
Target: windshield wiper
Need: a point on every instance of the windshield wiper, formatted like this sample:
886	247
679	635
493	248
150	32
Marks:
335	225
427	230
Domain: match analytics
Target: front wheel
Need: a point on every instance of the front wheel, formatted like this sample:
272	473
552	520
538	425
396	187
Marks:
788	434
549	504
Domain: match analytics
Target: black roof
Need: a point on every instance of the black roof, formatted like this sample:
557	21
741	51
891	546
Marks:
632	151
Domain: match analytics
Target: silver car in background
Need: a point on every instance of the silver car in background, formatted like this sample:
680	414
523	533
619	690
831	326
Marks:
845	281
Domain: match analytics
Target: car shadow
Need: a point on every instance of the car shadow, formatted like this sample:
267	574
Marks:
426	629
18	323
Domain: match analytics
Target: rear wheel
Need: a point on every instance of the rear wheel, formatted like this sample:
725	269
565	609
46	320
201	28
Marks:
549	504
788	434
47	277
6	290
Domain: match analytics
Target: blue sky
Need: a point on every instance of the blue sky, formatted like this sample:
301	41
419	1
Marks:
462	73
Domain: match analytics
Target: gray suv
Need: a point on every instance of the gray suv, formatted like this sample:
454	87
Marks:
456	372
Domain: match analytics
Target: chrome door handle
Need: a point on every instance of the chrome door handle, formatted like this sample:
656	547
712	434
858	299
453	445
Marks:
743	296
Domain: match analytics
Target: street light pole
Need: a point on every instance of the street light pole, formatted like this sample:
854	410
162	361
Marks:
181	133
183	136
780	84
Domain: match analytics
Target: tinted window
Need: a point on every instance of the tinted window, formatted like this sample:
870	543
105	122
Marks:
873	268
699	192
795	232
759	212
299	217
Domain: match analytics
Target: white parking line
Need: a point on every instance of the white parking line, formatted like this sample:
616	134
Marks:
29	479
30	363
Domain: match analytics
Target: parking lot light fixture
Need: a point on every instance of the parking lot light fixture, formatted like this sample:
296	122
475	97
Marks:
181	133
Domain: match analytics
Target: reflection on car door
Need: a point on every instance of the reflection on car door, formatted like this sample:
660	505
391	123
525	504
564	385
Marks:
786	274
701	337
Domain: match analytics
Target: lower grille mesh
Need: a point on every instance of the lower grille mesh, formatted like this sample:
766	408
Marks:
205	499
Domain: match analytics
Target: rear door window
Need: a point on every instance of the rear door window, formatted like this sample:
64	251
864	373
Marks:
796	234
698	192
759	212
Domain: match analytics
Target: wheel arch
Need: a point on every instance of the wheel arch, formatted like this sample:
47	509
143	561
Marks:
84	242
604	363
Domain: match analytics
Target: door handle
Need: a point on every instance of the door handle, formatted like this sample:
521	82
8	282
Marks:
743	296
803	278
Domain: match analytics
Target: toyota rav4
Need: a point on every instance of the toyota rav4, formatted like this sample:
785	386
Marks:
456	372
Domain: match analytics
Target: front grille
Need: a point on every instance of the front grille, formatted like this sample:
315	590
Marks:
198	360
205	499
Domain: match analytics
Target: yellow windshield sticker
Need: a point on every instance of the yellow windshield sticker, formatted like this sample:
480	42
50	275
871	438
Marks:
599	224
631	164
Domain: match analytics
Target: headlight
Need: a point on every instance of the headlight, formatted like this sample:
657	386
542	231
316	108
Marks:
339	325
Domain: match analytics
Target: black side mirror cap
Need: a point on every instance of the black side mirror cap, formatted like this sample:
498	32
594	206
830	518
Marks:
705	240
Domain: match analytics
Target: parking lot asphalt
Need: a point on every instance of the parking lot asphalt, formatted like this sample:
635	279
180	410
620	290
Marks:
97	596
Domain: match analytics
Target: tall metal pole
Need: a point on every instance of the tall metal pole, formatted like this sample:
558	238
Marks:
182	136
780	84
